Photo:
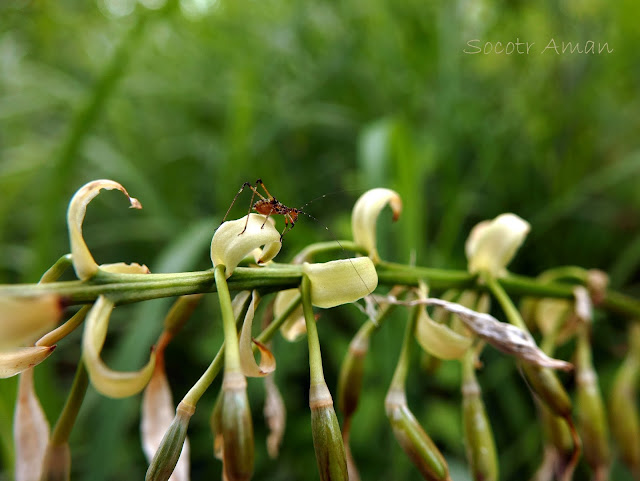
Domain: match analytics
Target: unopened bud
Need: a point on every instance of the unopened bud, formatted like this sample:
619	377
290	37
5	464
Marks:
592	421
415	442
625	424
237	428
479	443
327	438
168	453
558	435
351	372
548	387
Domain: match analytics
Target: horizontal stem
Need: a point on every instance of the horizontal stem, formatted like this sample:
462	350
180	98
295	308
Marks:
128	288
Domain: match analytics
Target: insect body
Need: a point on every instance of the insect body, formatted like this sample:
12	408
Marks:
267	206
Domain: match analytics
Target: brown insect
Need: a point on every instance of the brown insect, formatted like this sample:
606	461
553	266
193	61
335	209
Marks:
267	206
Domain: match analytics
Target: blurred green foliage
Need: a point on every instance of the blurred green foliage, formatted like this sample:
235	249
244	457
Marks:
182	102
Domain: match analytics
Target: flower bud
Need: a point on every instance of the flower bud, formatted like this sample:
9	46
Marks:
548	387
479	443
237	428
365	216
327	438
351	372
492	244
157	416
625	422
168	453
414	440
591	417
232	242
340	282
558	438
23	319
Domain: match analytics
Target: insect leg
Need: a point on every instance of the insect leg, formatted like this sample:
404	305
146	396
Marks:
244	186
259	182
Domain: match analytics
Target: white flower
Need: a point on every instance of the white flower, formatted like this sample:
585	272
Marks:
365	215
341	282
83	262
232	242
492	244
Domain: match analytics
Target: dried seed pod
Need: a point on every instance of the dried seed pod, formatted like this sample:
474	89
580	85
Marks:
591	417
327	438
479	443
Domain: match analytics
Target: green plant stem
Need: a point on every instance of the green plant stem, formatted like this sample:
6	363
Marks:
402	368
508	307
128	288
315	357
199	388
67	418
232	351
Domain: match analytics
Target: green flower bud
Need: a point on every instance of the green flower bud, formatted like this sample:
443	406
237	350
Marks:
327	438
557	432
625	424
548	387
237	428
479	443
167	455
351	372
414	440
592	421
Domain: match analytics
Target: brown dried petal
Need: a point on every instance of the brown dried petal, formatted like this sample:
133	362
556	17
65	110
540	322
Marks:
275	413
30	431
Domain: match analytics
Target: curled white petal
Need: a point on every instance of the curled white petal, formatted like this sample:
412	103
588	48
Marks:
341	282
231	242
294	327
111	383
365	215
83	262
250	367
492	244
438	339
